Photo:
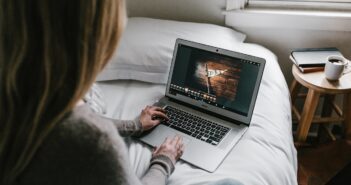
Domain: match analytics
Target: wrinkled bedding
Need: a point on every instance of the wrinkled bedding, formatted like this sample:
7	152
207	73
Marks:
264	156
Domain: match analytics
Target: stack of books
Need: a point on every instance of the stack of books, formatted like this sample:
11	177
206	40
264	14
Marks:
312	59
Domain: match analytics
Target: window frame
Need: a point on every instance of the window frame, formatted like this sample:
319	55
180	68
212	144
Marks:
239	15
343	5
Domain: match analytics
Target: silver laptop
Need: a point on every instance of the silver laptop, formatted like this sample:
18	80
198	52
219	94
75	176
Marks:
210	97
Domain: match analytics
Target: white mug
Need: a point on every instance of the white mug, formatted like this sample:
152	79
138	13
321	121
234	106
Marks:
335	67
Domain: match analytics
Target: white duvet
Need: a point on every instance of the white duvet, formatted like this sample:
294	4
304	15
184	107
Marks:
265	154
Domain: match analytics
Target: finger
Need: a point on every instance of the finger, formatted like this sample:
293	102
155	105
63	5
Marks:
156	149
175	141
180	153
159	109
159	114
155	122
146	108
182	150
179	141
167	140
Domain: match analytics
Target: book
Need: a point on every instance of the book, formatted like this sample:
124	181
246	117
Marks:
306	69
310	69
313	57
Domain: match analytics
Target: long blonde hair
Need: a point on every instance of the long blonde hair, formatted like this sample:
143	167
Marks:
50	53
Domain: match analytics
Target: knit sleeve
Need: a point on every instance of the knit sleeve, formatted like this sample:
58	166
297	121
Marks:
127	127
161	167
85	149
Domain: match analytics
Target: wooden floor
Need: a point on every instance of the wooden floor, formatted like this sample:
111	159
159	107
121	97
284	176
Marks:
318	164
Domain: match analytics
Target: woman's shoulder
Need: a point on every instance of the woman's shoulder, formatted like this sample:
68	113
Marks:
88	130
83	118
82	149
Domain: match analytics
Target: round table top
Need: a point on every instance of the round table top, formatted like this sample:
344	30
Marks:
318	82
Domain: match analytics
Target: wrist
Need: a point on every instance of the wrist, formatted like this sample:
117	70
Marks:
165	161
139	125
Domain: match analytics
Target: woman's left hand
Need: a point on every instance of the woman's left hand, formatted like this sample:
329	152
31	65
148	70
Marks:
151	116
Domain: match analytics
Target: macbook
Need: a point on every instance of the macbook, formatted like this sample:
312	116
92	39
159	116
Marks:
209	99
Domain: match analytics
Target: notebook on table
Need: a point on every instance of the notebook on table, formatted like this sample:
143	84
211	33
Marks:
312	57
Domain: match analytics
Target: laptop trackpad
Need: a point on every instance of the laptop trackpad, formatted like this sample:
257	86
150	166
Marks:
171	135
160	133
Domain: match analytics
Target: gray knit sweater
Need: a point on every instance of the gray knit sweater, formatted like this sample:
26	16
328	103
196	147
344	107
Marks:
86	149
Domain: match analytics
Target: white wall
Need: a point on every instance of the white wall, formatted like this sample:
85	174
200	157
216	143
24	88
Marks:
209	11
279	38
282	41
282	33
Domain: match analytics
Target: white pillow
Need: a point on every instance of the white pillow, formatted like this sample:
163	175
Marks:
146	47
94	98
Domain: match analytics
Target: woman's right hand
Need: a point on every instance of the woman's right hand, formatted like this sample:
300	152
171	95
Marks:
172	148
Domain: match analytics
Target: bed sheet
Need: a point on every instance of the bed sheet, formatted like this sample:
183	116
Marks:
264	156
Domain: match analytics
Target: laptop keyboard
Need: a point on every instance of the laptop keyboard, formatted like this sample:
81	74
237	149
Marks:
195	126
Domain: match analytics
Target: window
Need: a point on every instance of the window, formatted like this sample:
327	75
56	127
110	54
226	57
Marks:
301	4
291	4
326	15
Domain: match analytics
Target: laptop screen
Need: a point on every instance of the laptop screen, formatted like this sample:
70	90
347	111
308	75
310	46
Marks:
216	79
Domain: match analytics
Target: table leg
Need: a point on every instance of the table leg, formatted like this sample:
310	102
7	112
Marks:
327	110
294	90
328	105
308	111
347	116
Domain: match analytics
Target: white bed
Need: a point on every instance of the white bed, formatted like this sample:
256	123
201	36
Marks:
265	154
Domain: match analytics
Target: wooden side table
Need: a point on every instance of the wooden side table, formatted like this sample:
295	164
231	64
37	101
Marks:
318	86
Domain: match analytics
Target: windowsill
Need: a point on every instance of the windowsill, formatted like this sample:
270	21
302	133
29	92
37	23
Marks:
289	19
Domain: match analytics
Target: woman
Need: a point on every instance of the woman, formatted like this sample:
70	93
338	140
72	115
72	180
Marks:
50	54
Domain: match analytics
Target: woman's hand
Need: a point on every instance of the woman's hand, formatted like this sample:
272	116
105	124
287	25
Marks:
172	148
151	116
